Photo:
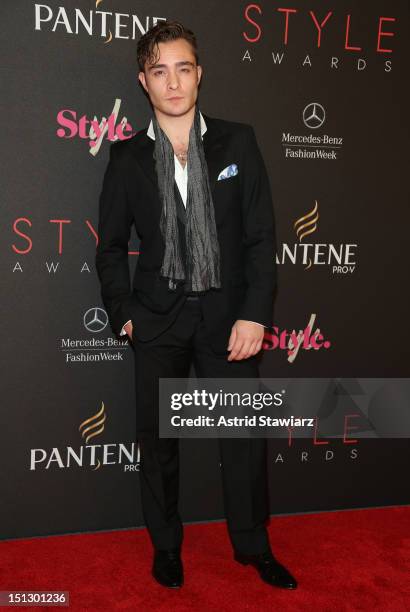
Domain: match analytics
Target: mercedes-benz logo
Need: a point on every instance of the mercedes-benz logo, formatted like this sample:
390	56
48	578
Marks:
314	115
95	320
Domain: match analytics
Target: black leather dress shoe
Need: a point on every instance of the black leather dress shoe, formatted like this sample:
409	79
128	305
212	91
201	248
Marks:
167	568
270	570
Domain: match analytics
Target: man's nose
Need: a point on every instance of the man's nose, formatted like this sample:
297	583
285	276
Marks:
173	80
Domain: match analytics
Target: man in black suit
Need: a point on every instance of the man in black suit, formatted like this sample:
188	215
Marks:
197	190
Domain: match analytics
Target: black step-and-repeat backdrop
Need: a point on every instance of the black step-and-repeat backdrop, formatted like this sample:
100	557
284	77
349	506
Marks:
324	85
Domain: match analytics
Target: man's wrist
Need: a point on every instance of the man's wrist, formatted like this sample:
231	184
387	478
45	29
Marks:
257	322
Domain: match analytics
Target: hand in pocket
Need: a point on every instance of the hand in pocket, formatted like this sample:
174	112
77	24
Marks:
128	329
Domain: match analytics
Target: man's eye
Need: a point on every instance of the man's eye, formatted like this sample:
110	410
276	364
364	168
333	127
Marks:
158	72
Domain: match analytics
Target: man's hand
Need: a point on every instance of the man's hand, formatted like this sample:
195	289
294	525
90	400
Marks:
245	340
128	329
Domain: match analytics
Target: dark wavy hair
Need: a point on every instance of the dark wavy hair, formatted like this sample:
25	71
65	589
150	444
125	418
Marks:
164	31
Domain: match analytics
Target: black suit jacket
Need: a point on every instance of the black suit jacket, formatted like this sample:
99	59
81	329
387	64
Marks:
245	226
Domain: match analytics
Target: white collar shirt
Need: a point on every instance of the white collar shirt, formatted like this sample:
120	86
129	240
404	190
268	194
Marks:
181	173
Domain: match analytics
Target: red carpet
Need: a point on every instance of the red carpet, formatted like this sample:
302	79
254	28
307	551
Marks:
344	561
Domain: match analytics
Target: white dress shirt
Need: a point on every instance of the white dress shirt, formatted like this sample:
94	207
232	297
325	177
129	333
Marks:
181	179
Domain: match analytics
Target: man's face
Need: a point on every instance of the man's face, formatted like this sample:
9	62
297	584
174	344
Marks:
172	82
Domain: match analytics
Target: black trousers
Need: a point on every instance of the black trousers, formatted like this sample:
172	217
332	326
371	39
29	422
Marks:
244	469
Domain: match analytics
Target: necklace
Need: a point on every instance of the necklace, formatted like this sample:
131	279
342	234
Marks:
182	156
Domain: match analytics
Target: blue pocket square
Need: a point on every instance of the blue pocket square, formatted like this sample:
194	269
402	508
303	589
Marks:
227	172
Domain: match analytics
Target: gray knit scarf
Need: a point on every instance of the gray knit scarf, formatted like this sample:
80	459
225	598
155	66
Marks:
202	248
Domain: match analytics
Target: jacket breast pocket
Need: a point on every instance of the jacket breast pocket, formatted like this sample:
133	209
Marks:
226	196
230	183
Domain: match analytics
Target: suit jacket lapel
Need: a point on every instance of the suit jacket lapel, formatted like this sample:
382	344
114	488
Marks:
213	149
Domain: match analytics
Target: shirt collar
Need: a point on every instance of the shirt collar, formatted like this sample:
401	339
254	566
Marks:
151	133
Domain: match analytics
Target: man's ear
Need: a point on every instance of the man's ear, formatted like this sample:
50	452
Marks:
141	78
199	72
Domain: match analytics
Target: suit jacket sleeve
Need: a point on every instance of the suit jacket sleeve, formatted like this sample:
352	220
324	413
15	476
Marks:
114	228
258	235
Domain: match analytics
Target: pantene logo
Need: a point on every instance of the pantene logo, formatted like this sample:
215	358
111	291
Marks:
341	258
107	24
94	456
94	426
94	130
